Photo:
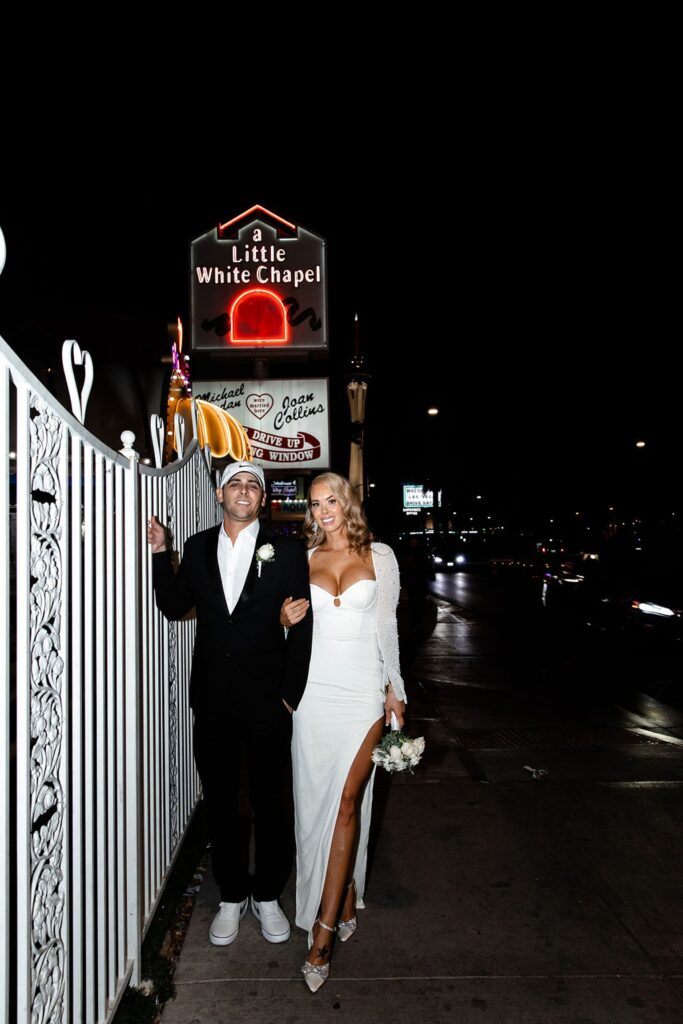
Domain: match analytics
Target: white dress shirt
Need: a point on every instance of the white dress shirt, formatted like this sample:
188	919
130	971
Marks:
234	560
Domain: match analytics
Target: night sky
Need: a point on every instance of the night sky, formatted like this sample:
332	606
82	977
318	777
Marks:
524	286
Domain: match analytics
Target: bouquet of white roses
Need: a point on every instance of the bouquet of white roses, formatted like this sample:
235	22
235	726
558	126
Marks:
396	752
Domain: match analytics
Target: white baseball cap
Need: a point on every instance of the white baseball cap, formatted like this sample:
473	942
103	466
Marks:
243	467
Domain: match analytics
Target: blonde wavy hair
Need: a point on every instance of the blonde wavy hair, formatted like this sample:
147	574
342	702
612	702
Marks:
356	523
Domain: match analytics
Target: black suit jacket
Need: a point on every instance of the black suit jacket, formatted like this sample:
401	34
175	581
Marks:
242	661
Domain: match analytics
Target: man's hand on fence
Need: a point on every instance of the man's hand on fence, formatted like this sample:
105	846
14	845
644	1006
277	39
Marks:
156	535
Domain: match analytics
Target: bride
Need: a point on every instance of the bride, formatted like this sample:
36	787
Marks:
354	684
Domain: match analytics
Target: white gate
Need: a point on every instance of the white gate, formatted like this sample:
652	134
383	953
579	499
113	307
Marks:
97	780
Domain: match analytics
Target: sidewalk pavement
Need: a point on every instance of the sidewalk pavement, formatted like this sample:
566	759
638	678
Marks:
492	895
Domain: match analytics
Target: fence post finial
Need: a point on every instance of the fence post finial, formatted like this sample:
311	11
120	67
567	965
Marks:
128	439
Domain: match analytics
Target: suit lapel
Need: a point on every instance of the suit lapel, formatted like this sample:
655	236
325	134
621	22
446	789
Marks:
213	570
264	536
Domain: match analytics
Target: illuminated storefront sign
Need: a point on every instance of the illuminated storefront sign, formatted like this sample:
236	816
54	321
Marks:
258	281
287	421
283	488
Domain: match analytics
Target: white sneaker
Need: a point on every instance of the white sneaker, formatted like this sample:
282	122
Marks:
226	924
274	924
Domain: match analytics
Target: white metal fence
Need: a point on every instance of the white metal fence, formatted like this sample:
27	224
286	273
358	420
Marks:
97	780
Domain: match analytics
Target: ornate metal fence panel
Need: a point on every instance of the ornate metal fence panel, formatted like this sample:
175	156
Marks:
97	779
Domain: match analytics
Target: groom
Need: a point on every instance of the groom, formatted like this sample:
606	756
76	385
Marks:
246	680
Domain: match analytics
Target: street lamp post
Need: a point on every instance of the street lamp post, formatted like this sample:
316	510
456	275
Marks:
356	390
434	479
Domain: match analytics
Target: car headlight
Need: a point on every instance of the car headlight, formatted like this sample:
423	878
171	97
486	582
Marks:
460	559
653	609
438	560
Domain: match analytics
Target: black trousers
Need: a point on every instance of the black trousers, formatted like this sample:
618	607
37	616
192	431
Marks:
264	737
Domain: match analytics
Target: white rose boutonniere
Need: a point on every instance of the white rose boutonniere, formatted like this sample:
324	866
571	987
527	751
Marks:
266	553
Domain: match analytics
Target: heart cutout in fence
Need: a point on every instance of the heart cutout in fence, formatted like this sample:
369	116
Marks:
72	356
157	430
179	427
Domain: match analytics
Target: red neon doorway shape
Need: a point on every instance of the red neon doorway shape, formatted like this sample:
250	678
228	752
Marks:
258	317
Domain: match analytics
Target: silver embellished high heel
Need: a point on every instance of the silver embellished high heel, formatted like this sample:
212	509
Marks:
315	976
347	928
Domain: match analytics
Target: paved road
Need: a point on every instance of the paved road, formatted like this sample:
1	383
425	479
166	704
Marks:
493	895
570	664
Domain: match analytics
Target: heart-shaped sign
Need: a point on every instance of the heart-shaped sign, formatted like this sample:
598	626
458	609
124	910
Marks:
259	405
73	356
156	425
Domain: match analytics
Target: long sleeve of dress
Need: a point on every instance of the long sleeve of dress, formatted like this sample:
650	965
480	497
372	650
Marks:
388	588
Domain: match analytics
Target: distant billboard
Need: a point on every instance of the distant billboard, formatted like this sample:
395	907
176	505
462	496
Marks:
415	497
258	281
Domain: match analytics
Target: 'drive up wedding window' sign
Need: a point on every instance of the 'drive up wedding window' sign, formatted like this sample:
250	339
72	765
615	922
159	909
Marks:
287	420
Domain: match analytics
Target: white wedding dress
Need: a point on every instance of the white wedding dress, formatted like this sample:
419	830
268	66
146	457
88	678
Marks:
355	652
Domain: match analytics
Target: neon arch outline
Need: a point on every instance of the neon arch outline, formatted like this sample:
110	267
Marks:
260	341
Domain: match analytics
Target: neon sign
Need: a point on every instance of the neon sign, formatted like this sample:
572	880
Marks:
253	209
258	279
258	316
